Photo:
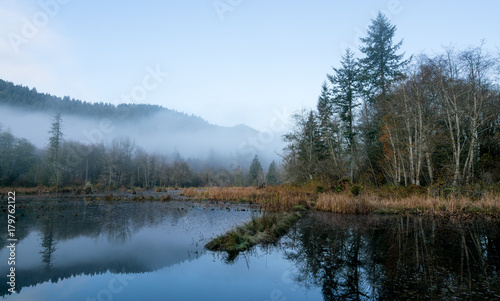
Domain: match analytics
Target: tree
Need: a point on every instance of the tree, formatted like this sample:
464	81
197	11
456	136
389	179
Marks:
256	173
301	153
380	68
345	88
465	90
181	174
55	142
381	65
238	177
272	174
326	139
118	162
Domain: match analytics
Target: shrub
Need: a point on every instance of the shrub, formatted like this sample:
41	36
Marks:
356	189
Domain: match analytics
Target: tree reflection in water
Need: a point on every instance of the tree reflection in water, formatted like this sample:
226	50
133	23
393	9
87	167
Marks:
390	258
48	243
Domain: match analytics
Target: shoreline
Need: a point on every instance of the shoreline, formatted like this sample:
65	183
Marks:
287	198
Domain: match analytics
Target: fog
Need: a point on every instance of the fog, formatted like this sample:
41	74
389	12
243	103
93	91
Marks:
166	132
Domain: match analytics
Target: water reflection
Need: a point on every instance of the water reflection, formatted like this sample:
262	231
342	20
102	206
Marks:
76	250
64	239
48	242
390	258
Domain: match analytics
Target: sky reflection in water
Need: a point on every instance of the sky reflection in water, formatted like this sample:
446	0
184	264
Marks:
73	250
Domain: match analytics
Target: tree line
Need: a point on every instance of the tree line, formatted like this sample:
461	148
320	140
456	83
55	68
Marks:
383	119
30	99
120	164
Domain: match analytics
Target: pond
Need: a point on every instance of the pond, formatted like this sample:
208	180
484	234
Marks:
79	250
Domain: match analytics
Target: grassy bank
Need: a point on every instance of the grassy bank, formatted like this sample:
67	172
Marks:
372	202
273	198
266	229
342	198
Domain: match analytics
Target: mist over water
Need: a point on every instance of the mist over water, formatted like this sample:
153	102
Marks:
166	133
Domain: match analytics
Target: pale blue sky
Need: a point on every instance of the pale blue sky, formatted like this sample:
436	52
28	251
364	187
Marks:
245	65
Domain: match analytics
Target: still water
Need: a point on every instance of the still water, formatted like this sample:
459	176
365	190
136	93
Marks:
77	250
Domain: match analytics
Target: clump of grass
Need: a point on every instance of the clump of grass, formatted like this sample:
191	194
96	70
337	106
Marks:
266	229
166	198
345	203
299	208
189	192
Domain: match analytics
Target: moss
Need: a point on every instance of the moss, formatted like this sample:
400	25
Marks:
299	208
475	209
386	211
266	229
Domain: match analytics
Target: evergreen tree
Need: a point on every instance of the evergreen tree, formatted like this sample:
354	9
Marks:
381	65
345	88
379	69
55	142
327	143
272	174
325	124
255	175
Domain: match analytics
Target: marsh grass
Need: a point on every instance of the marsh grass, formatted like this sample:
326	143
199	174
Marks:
273	199
268	228
362	201
370	202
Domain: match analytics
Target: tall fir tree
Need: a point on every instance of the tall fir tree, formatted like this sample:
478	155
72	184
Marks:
324	124
380	68
345	82
55	142
381	65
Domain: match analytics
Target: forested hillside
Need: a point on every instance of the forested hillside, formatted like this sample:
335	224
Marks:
30	99
53	141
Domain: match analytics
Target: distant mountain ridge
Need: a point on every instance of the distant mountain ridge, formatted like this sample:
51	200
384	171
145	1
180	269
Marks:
22	97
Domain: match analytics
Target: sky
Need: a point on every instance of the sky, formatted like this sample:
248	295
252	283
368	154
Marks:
228	61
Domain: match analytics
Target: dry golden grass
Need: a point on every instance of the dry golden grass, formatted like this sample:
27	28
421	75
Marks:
28	190
273	198
286	197
366	203
345	203
189	192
